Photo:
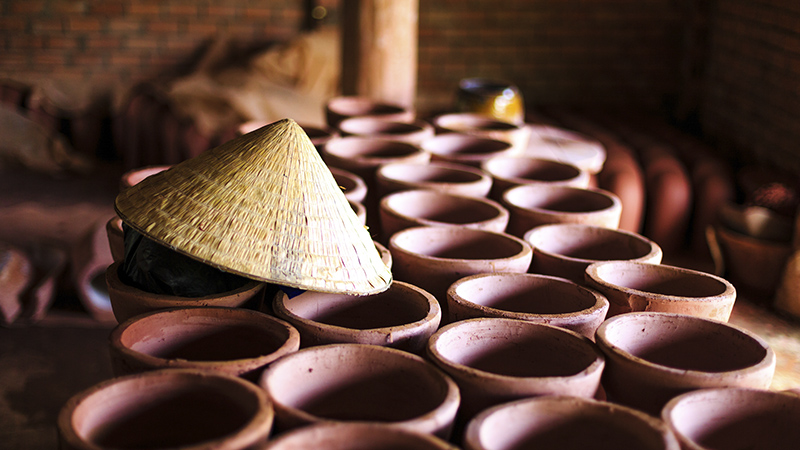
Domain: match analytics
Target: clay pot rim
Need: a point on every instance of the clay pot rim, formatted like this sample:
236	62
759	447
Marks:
613	350
613	410
600	300
386	207
577	173
360	184
335	104
738	237
259	320
332	149
318	431
524	252
502	147
258	425
413	127
481	176
434	311
655	249
590	371
590	192
593	271
444	121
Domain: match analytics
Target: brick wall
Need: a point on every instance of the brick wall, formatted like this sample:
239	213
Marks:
752	101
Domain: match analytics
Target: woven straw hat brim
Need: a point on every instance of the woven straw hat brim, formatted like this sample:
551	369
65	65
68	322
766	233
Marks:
263	206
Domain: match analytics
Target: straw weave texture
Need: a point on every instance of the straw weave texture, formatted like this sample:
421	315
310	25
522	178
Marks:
265	206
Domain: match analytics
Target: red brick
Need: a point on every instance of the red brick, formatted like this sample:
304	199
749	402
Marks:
141	8
118	59
26	6
221	10
83	24
143	42
202	28
47	25
62	42
108	8
106	42
183	10
163	27
125	25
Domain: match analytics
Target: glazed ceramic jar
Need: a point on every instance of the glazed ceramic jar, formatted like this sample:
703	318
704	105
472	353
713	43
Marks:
493	98
449	178
652	357
169	408
508	171
368	436
465	149
235	341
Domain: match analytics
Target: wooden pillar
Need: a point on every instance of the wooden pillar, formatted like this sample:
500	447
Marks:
379	49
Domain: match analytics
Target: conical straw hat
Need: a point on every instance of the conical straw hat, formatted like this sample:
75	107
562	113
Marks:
265	206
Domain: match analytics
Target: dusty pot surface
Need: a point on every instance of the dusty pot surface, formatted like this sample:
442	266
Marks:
353	186
128	301
652	357
356	382
735	418
369	436
495	360
637	286
412	132
404	317
566	250
340	108
433	258
450	178
508	171
169	408
566	423
134	176
532	205
407	209
517	135
236	341
525	296
466	149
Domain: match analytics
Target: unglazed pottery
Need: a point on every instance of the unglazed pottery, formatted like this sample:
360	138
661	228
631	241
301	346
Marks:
567	146
404	317
368	436
128	301
496	360
532	205
516	134
652	357
116	238
508	171
340	108
525	296
318	135
356	382
407	209
465	149
450	178
566	423
412	132
363	155
735	418
637	286
169	408
566	249
134	176
235	341
435	257
353	186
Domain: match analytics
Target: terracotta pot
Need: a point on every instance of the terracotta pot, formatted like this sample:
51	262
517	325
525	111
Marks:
403	317
407	209
340	108
355	382
525	296
496	360
652	357
386	255
456	179
170	408
566	423
508	171
116	238
465	149
433	258
532	205
517	135
566	250
353	186
363	155
412	132
369	436
360	210
89	259
734	418
134	176
637	286
318	135
128	301
567	146
235	341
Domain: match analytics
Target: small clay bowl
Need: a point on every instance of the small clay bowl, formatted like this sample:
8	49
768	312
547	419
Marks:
532	205
465	149
525	296
652	357
449	178
134	176
407	209
404	316
566	423
360	210
433	258
637	286
508	171
235	341
752	264
518	135
356	382
369	436
363	155
343	107
412	132
353	186
128	301
564	145
116	238
735	418
567	249
496	360
169	408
